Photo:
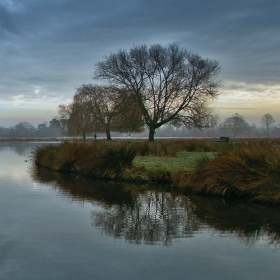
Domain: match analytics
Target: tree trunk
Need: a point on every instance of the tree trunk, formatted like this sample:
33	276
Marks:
151	134
84	135
266	130
108	134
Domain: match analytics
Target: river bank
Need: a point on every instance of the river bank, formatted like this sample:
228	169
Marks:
242	168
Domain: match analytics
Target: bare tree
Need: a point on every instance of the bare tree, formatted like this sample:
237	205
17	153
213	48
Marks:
267	120
170	84
235	125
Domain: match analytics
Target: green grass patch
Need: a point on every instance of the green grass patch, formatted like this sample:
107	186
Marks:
184	161
169	170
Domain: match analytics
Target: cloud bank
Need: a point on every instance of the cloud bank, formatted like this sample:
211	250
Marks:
49	48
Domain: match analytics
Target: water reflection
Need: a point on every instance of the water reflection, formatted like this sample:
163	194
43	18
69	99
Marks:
22	148
140	215
246	221
154	218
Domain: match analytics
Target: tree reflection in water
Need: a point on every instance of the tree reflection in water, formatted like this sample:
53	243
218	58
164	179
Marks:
239	219
155	217
141	215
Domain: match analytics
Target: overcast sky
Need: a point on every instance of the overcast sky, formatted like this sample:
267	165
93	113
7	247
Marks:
49	48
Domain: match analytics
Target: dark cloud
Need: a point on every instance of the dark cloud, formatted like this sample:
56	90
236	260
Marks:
54	44
7	24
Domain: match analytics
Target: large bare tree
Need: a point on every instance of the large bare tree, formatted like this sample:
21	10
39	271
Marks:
170	84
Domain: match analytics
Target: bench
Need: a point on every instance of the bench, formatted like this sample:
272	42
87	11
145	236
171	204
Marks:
223	139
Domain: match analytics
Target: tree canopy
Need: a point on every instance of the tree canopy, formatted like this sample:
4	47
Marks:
235	125
101	109
267	120
169	84
111	109
80	121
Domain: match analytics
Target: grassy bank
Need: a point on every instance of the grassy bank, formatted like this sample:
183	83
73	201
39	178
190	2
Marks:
88	159
243	168
248	170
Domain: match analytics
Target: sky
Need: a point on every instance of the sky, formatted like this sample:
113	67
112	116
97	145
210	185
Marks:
50	48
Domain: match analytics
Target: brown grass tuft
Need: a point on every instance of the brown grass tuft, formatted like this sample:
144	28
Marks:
247	169
97	160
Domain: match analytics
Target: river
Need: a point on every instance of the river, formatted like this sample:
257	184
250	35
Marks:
60	226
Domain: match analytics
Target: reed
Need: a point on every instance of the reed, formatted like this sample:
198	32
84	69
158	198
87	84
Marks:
249	169
112	160
90	159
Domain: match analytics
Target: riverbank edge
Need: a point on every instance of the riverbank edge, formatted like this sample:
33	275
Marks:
162	180
182	180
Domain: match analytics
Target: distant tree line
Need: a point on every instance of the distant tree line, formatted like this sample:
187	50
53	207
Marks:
25	129
234	126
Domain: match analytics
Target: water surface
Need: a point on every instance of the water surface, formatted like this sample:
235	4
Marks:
58	226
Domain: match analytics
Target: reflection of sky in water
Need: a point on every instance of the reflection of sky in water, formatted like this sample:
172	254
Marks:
13	167
49	234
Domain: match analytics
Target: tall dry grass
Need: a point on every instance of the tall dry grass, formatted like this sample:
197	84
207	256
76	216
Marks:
169	148
91	159
246	169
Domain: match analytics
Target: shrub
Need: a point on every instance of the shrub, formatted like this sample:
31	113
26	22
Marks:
72	155
112	160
